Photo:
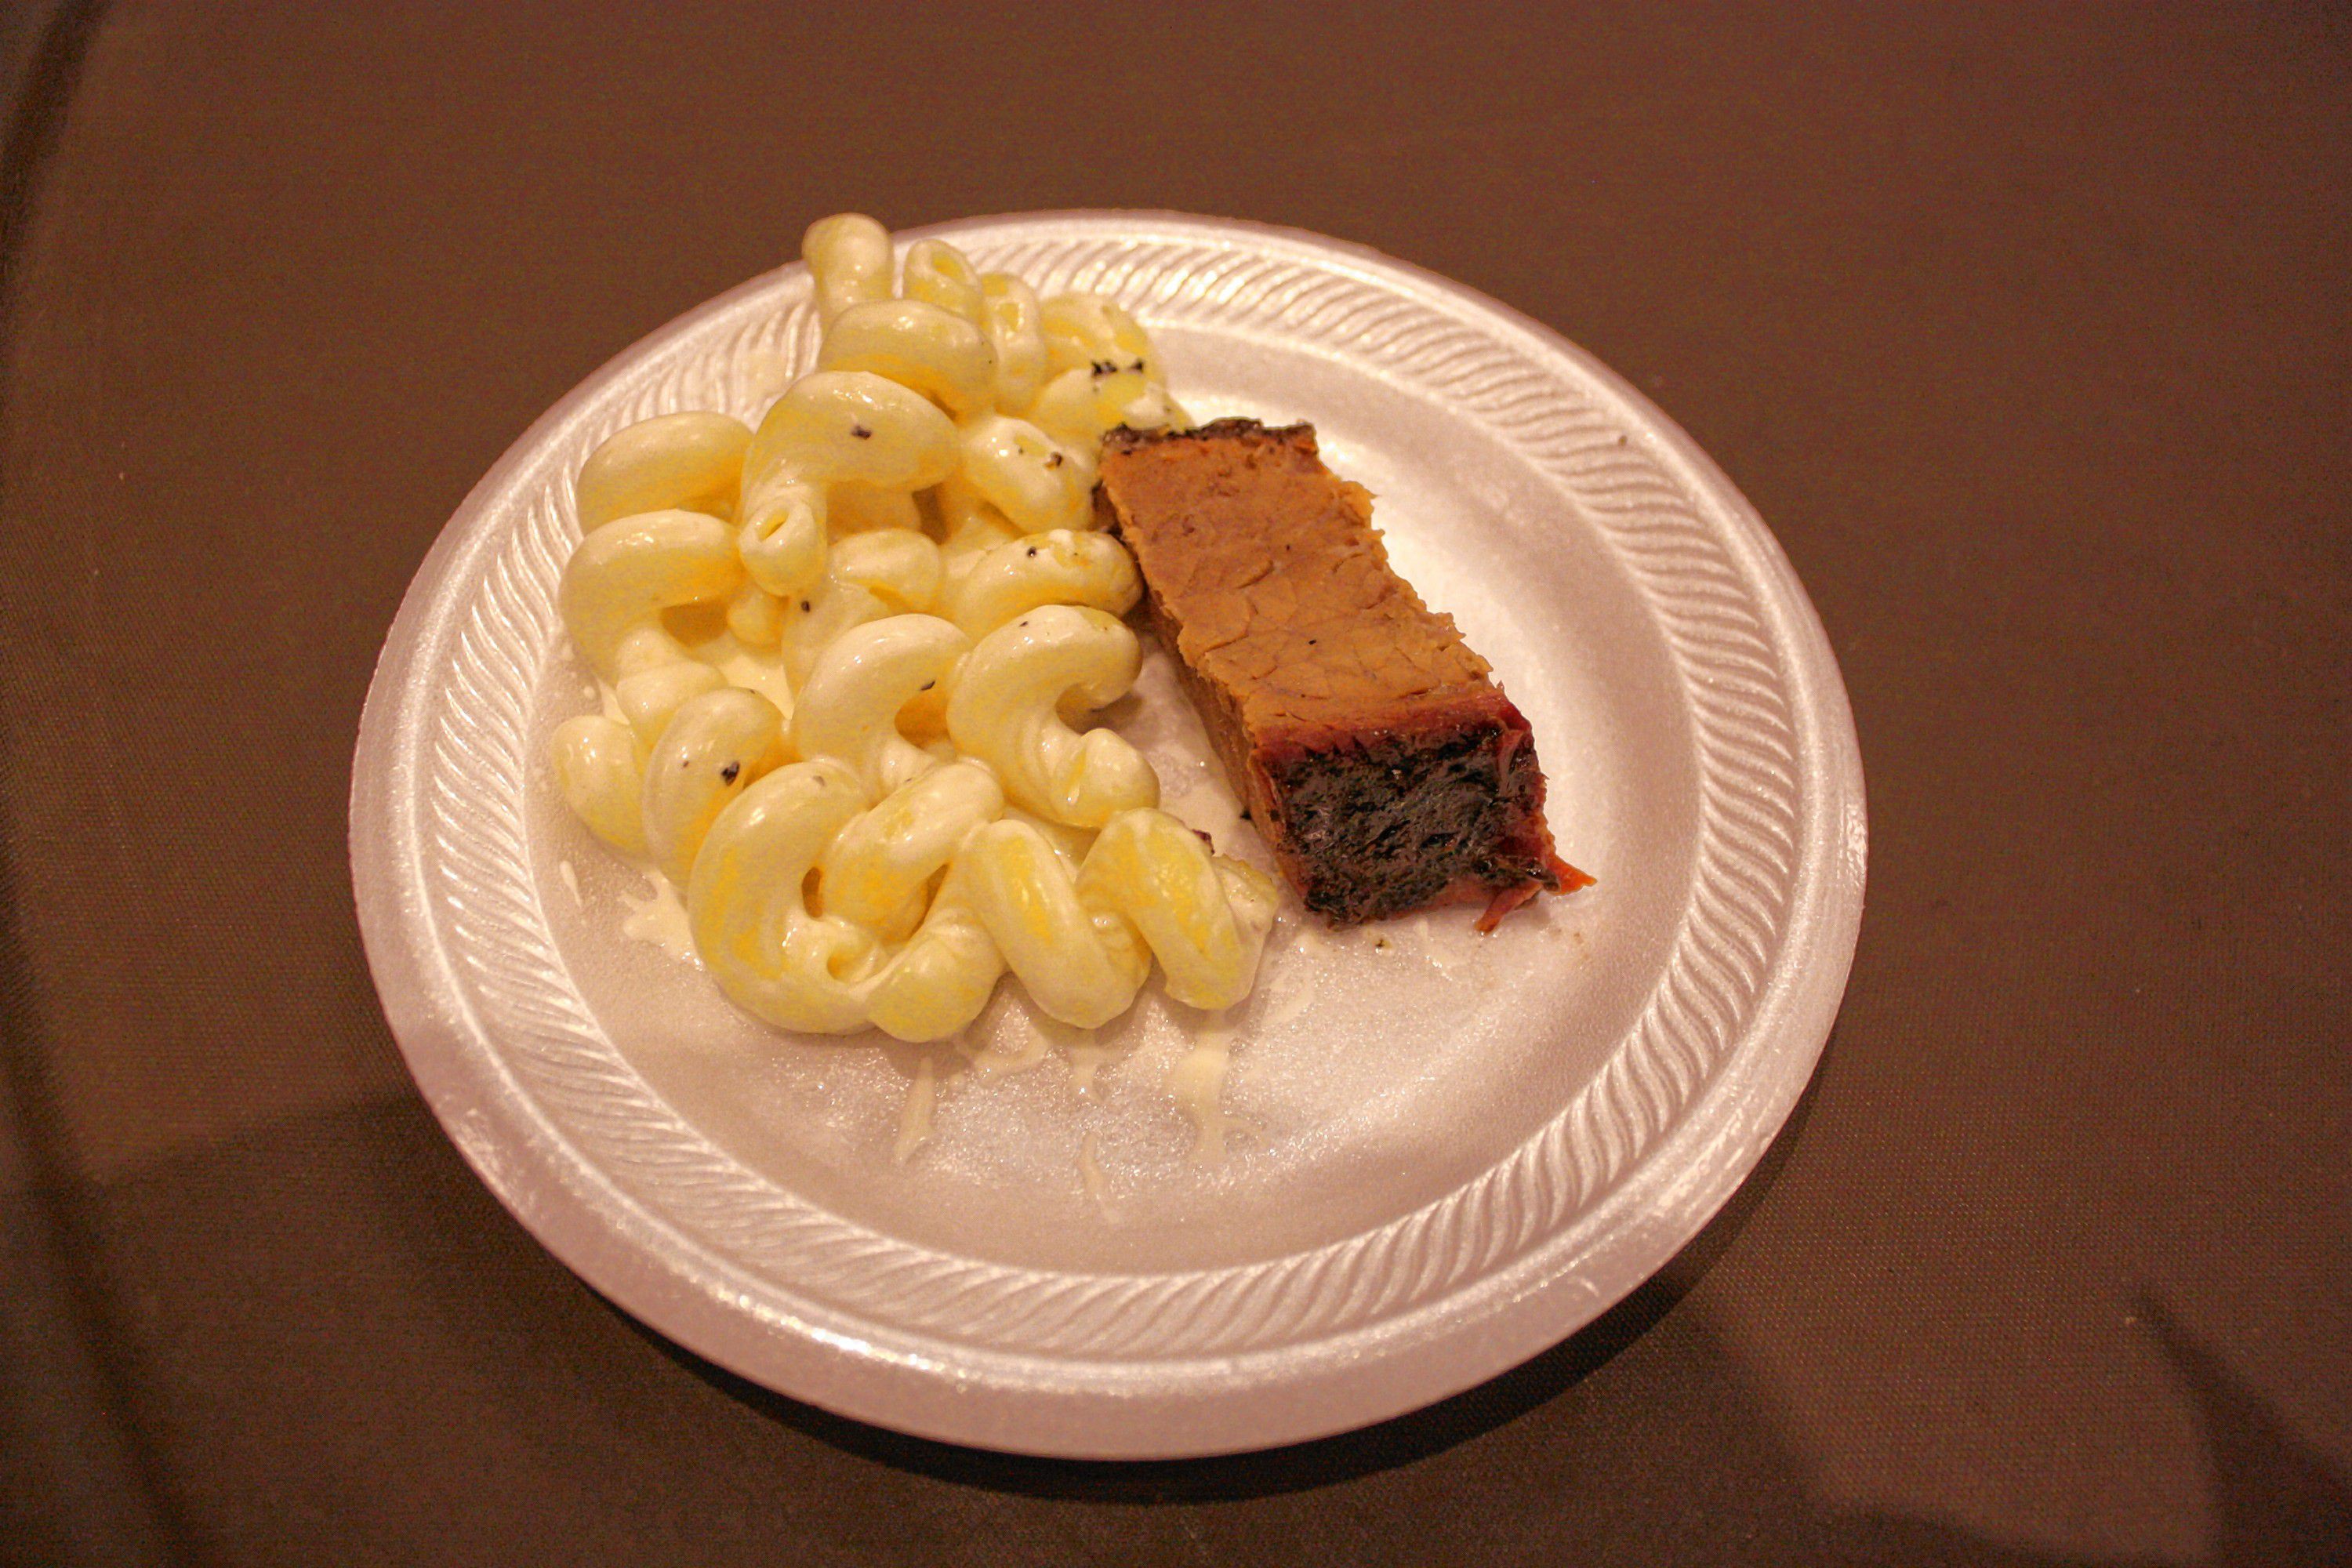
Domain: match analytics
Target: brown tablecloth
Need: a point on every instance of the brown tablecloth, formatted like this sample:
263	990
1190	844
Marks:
2029	331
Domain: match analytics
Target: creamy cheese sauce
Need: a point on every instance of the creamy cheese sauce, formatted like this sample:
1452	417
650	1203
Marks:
915	1116
765	373
1087	1059
1438	950
1207	807
658	918
1292	995
753	670
1198	1083
1090	1171
1003	1059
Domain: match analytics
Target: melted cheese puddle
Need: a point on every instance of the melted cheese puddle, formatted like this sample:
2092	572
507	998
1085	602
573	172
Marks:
658	918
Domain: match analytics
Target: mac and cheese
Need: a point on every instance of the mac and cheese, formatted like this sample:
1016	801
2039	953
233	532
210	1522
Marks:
847	652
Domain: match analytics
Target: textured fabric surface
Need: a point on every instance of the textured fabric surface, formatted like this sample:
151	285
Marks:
2028	333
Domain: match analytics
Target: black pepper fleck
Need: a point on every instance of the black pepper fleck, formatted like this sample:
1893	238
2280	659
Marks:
729	773
927	686
1033	552
804	607
861	432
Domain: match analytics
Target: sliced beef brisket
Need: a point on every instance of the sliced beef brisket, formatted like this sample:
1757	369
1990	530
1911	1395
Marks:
1384	767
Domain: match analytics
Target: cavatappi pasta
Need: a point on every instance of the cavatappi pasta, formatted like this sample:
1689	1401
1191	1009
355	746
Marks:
847	651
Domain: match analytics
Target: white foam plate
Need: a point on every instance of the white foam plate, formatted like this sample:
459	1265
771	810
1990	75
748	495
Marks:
1442	1153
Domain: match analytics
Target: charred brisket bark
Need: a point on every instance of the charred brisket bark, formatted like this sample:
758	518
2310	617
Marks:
1385	768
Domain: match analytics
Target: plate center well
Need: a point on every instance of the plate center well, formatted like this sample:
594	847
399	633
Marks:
1372	1072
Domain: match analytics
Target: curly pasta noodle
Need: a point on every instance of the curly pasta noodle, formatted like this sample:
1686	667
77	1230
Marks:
901	807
